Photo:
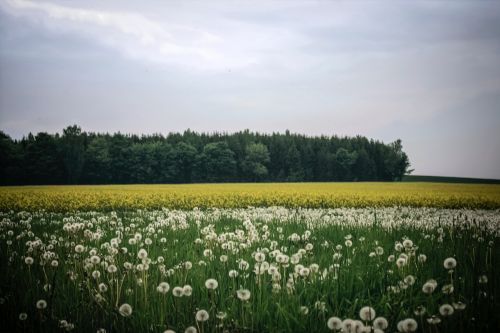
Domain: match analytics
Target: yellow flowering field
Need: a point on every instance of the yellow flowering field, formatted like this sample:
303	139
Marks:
188	196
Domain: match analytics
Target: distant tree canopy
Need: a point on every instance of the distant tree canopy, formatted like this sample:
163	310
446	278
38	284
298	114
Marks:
77	157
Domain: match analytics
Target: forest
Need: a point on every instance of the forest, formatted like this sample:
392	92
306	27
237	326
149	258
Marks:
79	157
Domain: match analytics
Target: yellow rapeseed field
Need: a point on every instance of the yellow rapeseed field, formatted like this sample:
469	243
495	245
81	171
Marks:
314	195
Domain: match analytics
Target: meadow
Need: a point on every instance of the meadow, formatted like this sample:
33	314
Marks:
310	195
343	257
251	270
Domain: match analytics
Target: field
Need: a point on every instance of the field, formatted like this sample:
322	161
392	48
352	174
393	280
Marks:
311	195
406	257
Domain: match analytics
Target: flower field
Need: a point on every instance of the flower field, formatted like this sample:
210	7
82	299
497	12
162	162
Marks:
269	269
310	195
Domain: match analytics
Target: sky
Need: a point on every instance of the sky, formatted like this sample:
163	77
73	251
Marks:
427	73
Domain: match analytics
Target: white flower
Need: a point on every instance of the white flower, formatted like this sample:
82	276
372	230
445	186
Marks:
347	325
259	257
434	320
401	262
95	260
459	305
125	310
380	323
187	290
41	304
243	294
446	310
178	291
79	248
450	263
407	325
407	243
23	316
112	269
367	313
211	284
29	261
447	289
233	274
191	329
429	286
142	254
163	288
304	310
96	274
202	316
334	323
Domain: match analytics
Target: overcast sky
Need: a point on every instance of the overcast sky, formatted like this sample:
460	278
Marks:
425	72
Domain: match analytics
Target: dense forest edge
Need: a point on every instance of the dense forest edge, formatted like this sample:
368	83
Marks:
78	157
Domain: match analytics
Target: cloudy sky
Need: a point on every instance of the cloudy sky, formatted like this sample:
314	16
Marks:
425	72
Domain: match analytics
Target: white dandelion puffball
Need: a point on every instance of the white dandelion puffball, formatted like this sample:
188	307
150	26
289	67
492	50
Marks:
169	331
202	316
446	310
259	257
380	323
459	305
407	243
95	259
163	288
334	323
187	290
483	279
112	269
142	254
79	248
243	294
23	316
211	284
29	261
178	291
125	310
191	329
422	258
367	313
408	325
429	286
450	263
41	304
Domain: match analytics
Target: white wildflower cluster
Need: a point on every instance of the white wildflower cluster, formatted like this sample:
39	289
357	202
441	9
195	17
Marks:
217	268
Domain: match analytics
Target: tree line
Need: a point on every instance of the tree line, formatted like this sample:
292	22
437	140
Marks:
77	157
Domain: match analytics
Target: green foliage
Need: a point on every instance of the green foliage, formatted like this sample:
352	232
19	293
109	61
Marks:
78	157
300	266
257	157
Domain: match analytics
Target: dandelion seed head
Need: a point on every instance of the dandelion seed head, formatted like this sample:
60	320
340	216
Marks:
202	316
367	313
211	284
450	263
41	304
334	323
125	310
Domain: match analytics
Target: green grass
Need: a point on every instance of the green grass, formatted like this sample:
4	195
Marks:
360	279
